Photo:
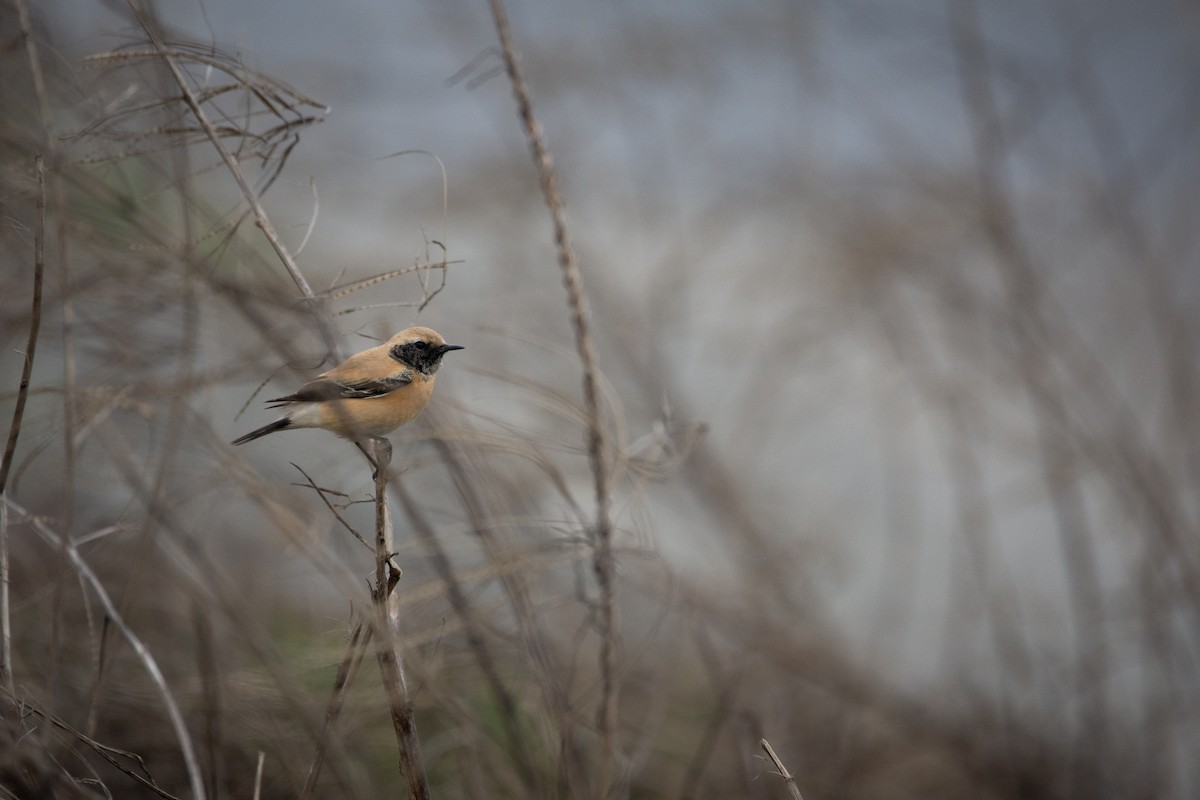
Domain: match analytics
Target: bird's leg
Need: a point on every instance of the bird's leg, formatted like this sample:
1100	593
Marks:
378	451
383	453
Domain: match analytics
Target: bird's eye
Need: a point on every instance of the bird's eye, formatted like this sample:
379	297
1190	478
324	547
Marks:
420	345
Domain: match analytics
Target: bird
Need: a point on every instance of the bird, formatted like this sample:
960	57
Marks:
368	395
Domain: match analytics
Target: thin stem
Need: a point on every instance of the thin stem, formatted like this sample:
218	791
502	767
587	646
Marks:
115	756
1031	332
6	668
356	648
788	778
139	648
10	447
391	665
35	322
38	79
258	773
603	562
473	628
260	215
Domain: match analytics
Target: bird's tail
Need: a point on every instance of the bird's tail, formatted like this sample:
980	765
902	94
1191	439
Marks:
277	425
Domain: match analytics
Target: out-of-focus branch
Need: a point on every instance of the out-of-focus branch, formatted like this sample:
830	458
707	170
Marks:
64	545
10	447
35	322
1024	293
113	755
603	561
474	630
356	648
260	215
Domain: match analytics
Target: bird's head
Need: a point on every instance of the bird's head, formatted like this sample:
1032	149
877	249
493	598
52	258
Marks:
420	348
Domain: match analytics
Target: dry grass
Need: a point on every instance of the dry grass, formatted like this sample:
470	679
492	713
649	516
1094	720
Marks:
187	620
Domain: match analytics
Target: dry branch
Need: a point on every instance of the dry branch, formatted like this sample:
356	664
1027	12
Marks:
115	756
603	560
35	322
170	58
473	626
10	447
391	665
356	648
64	545
788	778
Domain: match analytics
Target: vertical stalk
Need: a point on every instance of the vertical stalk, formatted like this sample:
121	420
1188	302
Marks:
387	614
603	563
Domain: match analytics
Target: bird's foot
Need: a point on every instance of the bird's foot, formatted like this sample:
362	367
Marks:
394	571
379	450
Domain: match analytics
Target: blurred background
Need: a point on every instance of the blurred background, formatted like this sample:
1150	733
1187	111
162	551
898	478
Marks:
895	307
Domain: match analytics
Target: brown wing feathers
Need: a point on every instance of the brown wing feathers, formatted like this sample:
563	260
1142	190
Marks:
327	389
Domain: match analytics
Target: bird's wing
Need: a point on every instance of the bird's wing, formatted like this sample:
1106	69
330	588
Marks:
328	387
370	363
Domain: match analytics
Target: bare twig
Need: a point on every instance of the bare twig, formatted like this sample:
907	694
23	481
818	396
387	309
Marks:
64	545
356	648
35	322
206	578
6	668
1031	332
59	203
514	573
342	290
113	755
10	447
473	627
321	494
261	219
391	665
258	773
725	687
36	75
213	731
788	778
603	562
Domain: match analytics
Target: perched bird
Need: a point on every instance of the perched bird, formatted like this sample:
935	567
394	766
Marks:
370	393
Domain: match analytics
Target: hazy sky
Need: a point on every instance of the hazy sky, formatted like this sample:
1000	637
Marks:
656	102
